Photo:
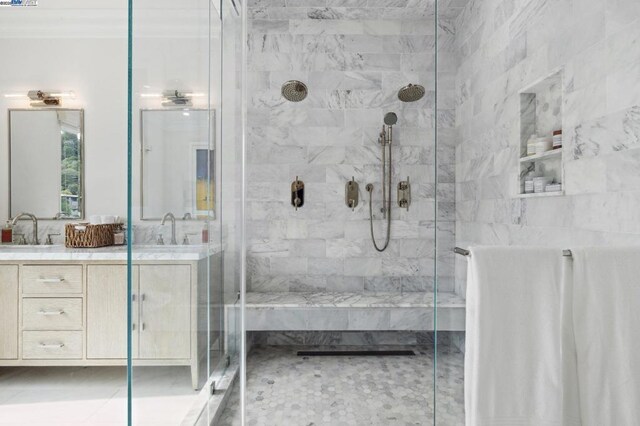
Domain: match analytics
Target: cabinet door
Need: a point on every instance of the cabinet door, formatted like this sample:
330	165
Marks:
9	311
107	311
164	303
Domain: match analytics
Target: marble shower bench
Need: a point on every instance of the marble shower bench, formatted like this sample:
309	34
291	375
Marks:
303	311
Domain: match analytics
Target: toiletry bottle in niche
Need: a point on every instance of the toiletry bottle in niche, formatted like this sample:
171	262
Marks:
557	139
7	233
528	181
531	145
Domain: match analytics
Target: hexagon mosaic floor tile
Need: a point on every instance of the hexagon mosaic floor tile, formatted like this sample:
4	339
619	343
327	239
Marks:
285	389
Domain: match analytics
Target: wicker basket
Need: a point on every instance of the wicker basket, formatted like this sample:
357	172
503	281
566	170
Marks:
84	235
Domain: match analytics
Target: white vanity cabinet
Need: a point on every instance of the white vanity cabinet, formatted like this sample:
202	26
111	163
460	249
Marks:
163	312
9	302
75	313
161	306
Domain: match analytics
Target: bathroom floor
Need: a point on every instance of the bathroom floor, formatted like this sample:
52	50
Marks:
286	389
95	396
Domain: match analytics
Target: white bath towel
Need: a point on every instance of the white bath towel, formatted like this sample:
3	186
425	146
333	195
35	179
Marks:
606	306
514	338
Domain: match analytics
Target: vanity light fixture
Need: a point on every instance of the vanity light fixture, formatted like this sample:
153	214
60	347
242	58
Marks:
171	98
178	98
41	98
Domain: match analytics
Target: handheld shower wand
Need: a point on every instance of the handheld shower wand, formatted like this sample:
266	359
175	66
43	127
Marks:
385	139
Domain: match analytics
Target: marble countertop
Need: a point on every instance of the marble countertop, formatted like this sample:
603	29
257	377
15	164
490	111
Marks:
351	300
139	252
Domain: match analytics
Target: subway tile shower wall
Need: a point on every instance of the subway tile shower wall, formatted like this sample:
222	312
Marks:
354	56
503	47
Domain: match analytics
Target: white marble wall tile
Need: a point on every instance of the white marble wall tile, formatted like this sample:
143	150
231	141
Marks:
367	319
341	283
266	26
354	56
266	3
326	266
600	121
411	319
308	3
362	266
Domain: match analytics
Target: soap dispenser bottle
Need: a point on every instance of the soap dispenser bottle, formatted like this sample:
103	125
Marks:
205	233
7	233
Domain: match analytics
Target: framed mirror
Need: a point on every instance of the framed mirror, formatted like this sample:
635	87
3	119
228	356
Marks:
46	170
178	163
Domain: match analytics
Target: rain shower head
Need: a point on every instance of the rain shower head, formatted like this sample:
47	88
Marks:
411	93
294	91
390	118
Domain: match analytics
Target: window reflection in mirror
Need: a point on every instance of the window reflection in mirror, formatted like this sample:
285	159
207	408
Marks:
178	161
46	163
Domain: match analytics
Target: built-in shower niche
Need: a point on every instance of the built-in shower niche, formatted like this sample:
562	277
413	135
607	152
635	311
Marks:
541	115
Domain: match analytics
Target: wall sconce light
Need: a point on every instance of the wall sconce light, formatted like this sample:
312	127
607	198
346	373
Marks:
41	98
172	98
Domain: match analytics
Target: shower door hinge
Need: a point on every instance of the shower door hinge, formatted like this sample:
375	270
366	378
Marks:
404	194
212	388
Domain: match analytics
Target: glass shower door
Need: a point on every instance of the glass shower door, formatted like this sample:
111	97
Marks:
176	283
329	91
449	298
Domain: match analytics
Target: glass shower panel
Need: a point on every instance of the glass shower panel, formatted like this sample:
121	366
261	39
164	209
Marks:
62	164
178	350
227	405
450	312
340	153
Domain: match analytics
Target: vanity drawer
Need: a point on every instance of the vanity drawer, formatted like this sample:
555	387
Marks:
52	344
51	314
51	279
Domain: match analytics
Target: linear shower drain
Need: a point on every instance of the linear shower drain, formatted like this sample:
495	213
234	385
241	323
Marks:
356	353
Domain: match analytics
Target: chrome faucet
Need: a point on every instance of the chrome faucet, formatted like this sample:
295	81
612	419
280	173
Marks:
34	220
173	227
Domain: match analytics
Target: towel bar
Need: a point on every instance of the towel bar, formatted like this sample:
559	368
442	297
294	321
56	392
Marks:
464	252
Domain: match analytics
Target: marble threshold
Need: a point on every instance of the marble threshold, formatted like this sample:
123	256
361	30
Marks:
326	311
119	253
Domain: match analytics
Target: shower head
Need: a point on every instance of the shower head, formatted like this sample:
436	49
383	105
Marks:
390	118
411	93
294	91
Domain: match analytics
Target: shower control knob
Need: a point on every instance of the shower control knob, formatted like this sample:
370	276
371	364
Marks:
404	194
297	193
351	194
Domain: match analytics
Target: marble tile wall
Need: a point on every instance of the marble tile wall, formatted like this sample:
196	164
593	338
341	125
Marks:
504	46
354	55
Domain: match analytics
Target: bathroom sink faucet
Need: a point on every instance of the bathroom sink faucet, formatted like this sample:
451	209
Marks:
173	227
34	220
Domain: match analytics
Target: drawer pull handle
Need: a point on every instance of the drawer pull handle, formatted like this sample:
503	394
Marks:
60	312
50	280
51	345
143	298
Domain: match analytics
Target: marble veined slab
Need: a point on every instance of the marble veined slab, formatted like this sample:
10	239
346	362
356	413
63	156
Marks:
58	252
294	311
352	300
